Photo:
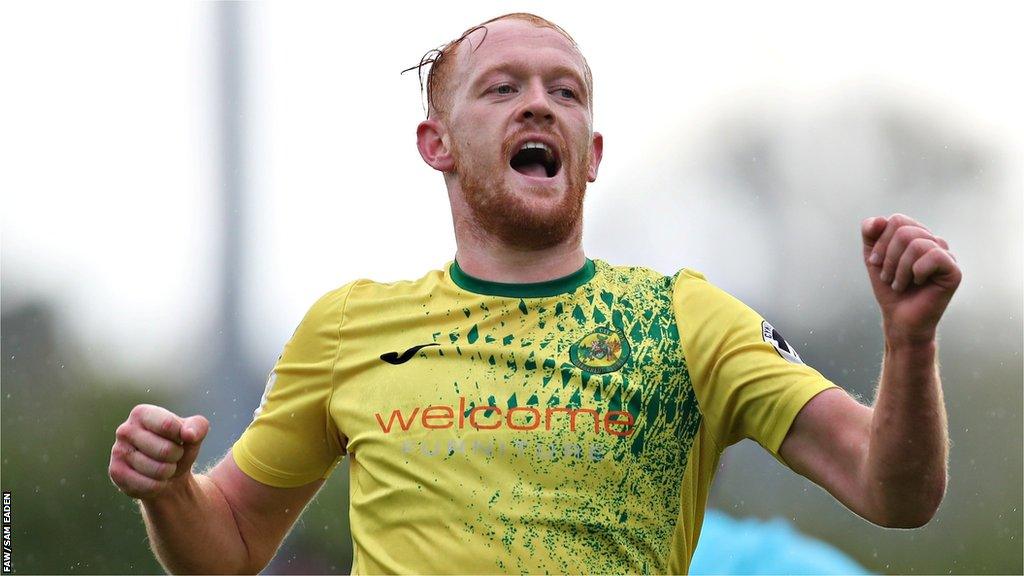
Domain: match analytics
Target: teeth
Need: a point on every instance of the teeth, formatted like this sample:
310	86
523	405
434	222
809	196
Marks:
540	145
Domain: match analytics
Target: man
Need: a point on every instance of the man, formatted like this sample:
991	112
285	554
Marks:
526	408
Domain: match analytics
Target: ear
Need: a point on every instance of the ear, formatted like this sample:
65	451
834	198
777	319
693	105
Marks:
432	141
596	150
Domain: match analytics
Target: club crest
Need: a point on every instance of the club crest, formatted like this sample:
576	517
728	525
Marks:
773	337
601	351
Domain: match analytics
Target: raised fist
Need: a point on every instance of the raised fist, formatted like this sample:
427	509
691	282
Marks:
913	275
154	448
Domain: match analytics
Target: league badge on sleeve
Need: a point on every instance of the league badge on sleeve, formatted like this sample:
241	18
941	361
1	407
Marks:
773	337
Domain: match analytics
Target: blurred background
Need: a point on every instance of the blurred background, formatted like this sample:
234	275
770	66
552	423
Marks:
180	181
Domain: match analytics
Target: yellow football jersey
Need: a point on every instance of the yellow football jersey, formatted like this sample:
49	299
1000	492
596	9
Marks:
566	426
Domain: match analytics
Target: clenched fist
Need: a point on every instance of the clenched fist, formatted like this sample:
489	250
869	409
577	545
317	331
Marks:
913	275
154	448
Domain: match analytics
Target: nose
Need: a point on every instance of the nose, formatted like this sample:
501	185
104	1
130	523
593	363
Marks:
536	105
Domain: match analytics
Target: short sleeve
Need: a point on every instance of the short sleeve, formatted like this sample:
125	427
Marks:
749	382
292	440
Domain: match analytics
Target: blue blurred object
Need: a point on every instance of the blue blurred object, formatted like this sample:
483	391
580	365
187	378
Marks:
752	546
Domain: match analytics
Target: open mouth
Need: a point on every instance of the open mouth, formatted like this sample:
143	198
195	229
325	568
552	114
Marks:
536	159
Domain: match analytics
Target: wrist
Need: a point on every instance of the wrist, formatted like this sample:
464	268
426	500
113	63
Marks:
913	350
182	489
902	339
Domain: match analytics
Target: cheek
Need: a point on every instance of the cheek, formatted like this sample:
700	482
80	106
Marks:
583	146
582	135
467	137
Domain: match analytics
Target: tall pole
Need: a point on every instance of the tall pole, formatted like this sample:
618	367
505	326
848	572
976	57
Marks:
226	400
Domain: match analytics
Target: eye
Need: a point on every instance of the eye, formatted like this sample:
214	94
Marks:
567	93
503	89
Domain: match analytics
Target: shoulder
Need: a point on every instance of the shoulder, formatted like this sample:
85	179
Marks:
632	279
685	280
354	305
364	290
366	293
695	296
688	281
365	298
627	273
690	293
706	314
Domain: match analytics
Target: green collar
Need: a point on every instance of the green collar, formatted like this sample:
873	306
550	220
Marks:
562	285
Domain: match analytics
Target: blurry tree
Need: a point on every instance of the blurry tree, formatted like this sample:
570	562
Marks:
57	430
58	427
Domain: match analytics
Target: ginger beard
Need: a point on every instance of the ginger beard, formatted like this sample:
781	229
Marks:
520	220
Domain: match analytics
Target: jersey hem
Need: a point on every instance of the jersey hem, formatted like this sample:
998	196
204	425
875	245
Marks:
267	474
790	408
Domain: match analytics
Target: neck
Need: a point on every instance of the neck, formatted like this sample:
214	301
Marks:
486	258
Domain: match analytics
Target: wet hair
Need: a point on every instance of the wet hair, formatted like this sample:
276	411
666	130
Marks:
438	63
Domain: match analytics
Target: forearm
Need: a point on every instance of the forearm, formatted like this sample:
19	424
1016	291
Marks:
193	530
906	467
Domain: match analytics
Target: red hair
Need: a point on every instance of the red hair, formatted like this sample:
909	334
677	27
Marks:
440	63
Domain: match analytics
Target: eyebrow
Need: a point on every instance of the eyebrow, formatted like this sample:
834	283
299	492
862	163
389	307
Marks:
518	66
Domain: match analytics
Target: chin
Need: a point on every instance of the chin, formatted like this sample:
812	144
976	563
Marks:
538	186
530	212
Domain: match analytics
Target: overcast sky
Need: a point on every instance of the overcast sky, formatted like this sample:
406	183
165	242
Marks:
108	143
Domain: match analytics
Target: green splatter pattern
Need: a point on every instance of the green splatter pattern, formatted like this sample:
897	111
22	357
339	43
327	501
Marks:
533	494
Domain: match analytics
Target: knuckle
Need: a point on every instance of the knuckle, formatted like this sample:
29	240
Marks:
123	431
165	471
169	452
118	475
131	460
908	234
922	245
892	255
118	451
